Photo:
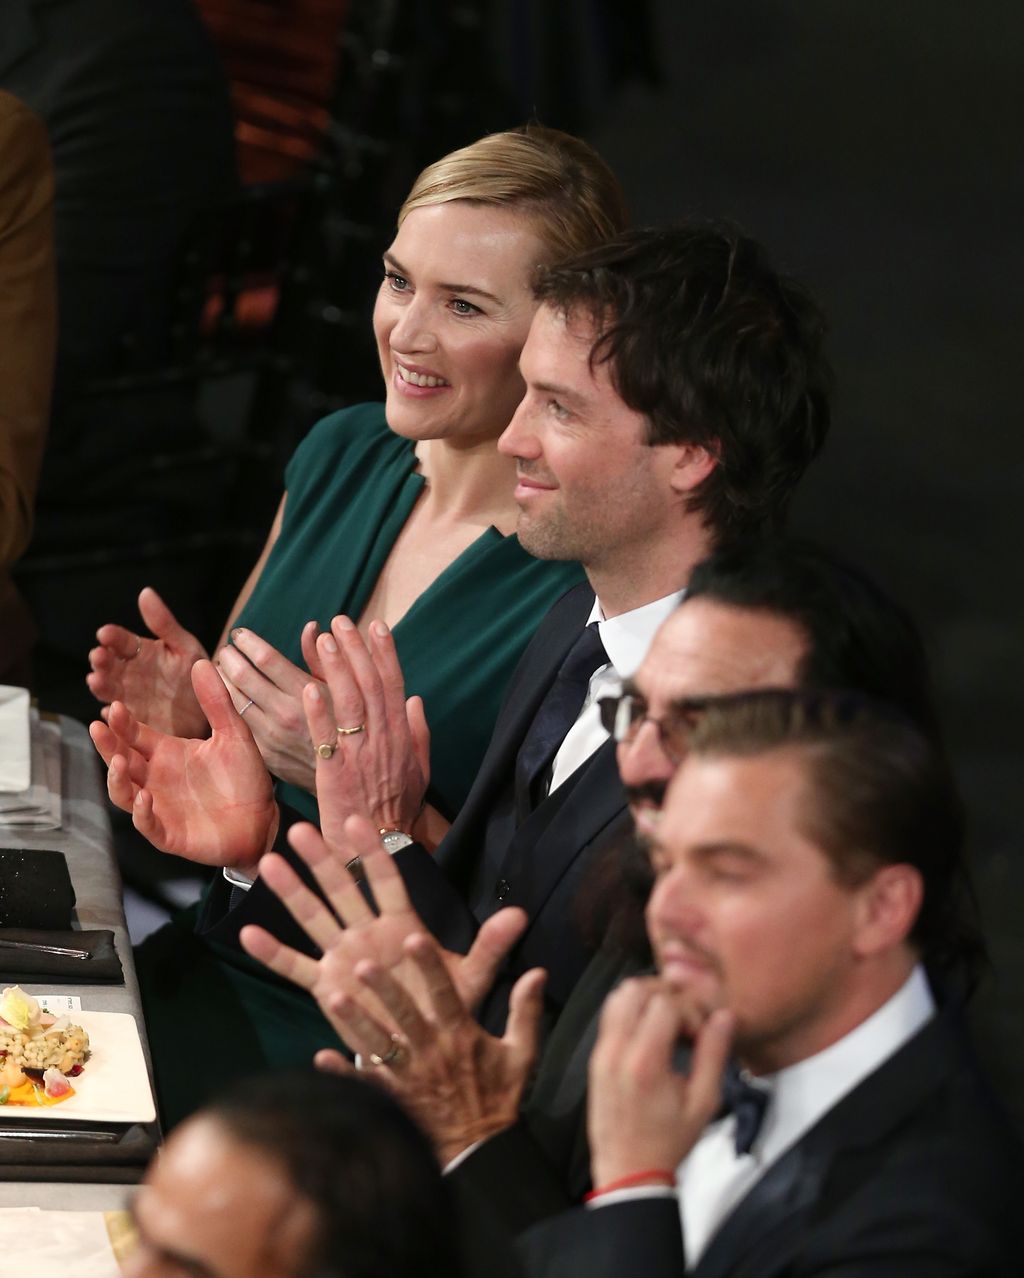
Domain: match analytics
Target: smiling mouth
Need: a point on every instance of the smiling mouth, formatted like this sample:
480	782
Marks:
528	481
418	379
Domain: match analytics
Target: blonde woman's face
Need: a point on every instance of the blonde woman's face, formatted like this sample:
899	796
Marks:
451	318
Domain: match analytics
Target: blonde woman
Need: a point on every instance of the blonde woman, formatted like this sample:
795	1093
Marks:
402	513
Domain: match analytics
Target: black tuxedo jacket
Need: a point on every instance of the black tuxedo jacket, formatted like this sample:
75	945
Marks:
914	1174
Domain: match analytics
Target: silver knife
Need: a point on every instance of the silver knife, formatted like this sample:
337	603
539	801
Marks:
38	948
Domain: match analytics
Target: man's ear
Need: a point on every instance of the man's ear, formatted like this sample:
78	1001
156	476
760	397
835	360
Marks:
693	465
890	902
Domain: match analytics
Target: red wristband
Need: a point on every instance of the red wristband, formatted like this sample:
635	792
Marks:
655	1176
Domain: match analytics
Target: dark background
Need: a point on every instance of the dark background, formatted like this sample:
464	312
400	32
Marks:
876	149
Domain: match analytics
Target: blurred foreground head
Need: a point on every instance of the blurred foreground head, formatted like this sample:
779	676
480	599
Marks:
296	1175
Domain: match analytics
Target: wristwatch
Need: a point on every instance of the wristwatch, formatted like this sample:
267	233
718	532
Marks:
394	840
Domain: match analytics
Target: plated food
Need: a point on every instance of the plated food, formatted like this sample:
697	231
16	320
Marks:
39	1053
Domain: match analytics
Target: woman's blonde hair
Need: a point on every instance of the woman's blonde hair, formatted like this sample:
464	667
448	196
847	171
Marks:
560	182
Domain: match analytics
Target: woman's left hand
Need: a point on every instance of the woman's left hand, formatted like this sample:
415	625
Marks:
266	689
373	744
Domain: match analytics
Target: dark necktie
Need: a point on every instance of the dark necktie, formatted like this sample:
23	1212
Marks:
556	714
748	1102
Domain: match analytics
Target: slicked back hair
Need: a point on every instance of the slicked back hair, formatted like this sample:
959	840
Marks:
858	637
879	792
556	182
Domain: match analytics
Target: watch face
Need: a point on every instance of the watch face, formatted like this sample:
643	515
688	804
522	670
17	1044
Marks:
394	840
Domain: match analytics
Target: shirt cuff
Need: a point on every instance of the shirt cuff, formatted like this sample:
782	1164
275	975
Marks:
461	1158
629	1195
237	879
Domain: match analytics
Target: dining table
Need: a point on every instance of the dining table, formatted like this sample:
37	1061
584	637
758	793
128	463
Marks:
97	1167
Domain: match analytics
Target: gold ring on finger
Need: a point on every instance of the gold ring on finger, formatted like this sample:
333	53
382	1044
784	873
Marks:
395	1053
326	750
350	732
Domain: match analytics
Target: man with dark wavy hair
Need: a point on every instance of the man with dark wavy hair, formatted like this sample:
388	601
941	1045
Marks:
701	335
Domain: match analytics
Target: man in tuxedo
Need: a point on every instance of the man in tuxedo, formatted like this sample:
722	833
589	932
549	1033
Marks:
808	864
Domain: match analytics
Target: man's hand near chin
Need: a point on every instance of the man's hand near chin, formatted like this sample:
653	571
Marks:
210	801
642	1115
463	1084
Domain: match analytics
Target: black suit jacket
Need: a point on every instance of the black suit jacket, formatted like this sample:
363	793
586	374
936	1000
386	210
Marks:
538	866
914	1174
541	1165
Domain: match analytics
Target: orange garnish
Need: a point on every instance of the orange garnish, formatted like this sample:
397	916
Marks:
31	1093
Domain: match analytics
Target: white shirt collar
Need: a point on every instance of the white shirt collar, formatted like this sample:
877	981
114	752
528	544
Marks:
712	1179
627	637
804	1092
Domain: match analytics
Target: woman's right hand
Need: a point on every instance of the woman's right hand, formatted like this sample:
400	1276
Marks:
152	677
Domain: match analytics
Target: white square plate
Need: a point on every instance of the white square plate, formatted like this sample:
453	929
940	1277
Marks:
113	1087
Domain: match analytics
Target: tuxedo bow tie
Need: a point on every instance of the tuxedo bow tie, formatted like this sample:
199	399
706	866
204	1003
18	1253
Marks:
748	1102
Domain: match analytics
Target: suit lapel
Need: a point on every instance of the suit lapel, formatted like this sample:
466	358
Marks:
531	680
767	1226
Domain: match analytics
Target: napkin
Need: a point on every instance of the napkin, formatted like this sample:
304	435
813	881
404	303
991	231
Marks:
35	888
15	757
54	1244
37	806
31	965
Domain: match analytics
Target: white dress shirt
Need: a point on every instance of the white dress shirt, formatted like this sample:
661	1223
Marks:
713	1179
626	639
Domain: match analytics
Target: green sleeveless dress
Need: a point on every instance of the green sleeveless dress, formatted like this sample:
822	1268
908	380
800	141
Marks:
211	1013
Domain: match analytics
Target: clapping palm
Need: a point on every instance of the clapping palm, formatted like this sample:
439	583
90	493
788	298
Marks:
210	800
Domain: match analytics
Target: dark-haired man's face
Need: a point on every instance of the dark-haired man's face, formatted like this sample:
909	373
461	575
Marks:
214	1207
703	649
747	914
589	485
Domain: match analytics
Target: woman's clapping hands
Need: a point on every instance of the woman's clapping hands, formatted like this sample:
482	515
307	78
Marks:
211	800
